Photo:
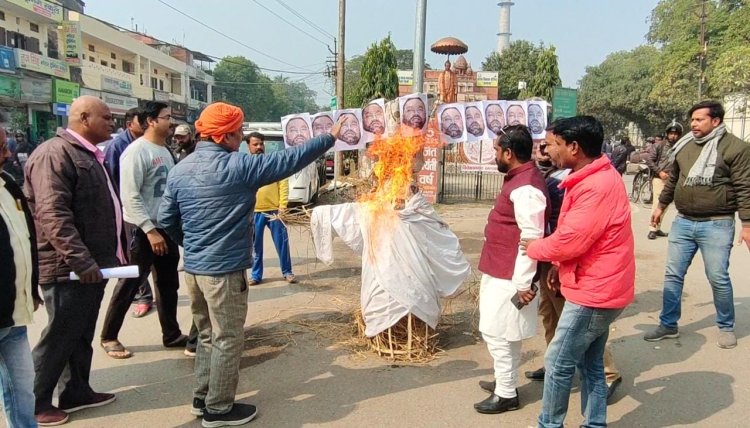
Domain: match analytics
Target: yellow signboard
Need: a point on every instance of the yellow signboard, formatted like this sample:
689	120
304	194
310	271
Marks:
405	77
487	79
42	64
71	32
41	7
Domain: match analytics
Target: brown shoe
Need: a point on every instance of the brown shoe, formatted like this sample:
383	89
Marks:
97	400
253	282
51	417
290	278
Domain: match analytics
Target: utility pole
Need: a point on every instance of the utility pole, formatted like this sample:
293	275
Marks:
338	157
703	51
418	65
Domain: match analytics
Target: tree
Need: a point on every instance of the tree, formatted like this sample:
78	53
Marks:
517	63
405	60
618	91
351	80
239	81
546	76
378	78
292	97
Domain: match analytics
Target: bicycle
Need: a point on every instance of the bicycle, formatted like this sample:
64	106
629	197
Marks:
642	190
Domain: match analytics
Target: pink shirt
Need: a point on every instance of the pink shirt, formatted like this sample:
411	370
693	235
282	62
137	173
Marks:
115	200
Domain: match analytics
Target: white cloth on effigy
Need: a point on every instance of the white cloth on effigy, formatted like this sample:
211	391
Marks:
408	263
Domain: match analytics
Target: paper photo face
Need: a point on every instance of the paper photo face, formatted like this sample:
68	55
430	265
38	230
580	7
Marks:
537	118
413	111
296	129
494	118
516	113
350	137
451	122
474	124
321	123
373	119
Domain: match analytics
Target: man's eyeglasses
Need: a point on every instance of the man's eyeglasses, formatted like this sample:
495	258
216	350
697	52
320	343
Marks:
167	117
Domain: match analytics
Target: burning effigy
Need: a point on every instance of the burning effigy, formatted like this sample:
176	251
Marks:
410	258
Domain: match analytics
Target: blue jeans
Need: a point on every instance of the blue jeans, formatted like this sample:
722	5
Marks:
715	239
578	343
280	241
16	377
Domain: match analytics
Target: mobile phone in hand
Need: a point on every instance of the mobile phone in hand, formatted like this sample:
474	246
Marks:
517	303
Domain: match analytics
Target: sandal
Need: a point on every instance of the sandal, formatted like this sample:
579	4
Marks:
113	347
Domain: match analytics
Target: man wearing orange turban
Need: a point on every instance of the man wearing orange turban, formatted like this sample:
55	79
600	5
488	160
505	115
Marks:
218	120
208	209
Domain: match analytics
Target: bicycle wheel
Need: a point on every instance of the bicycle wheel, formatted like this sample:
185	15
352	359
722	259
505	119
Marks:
635	191
646	193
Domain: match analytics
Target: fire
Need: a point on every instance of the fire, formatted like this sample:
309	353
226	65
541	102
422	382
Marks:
393	170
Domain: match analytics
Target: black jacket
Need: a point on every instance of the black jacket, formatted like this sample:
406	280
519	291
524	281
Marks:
7	267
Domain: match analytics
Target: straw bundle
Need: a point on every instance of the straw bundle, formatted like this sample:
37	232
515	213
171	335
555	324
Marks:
294	216
410	339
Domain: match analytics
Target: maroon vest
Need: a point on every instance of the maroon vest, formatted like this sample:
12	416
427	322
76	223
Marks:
501	235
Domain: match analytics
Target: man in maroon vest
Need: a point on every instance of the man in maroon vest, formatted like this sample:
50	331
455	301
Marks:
521	211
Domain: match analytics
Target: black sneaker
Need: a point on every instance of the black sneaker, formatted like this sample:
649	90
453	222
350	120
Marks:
660	333
652	235
239	415
199	407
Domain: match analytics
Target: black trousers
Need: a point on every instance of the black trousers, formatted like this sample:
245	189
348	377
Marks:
64	351
166	283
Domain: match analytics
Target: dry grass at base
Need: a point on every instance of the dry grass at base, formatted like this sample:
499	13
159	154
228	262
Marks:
410	340
293	216
352	189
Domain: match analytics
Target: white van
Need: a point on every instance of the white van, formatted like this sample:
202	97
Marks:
304	185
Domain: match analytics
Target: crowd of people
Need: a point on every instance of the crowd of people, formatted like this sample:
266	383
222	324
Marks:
560	230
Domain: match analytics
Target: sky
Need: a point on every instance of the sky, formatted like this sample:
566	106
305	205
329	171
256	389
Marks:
584	32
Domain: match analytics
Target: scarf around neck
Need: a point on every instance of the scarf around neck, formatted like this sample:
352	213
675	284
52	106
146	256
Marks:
702	171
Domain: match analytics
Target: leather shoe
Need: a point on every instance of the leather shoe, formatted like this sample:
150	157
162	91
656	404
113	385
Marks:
612	387
51	417
487	385
97	400
661	234
652	235
495	404
537	375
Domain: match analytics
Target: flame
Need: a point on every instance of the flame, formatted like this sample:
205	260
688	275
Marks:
392	170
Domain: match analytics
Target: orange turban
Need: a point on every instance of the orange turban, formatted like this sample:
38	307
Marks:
219	119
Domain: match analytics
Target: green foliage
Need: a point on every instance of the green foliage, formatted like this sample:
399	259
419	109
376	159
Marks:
239	81
654	83
546	75
617	91
405	60
352	70
517	63
378	78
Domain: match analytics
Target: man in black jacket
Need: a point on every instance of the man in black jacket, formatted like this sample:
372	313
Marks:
19	297
659	165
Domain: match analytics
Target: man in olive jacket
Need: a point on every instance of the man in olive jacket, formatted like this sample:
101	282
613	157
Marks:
709	183
79	227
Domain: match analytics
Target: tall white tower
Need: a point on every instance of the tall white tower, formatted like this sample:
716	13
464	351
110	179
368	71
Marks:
503	37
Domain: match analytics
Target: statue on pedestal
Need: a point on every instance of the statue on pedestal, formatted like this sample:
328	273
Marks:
448	85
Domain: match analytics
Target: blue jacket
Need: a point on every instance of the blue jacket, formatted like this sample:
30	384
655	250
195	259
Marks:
209	201
112	154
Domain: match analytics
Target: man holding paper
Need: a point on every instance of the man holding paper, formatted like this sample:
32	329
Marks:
78	223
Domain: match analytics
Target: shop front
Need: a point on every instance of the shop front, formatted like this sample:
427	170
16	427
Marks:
119	105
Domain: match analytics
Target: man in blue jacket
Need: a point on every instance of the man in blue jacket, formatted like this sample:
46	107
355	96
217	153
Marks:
208	209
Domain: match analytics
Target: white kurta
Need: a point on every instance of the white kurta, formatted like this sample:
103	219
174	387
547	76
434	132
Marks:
498	317
408	263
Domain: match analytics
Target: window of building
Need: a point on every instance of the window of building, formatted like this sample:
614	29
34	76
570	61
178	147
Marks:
104	63
112	55
91	48
32	45
91	58
128	67
2	37
156	71
161	85
2	15
154	83
113	65
53	50
33	27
